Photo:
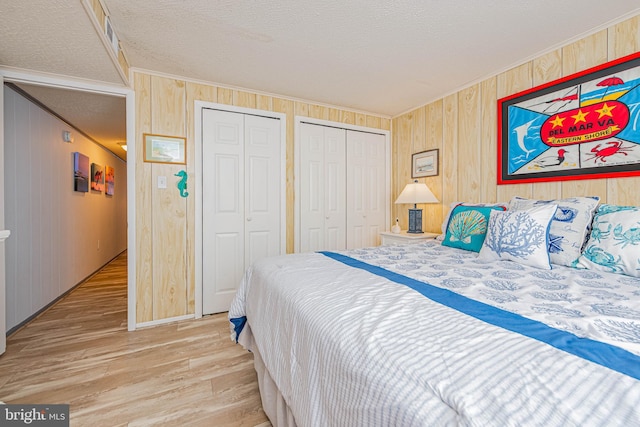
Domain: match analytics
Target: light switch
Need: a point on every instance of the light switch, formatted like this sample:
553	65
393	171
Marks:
162	182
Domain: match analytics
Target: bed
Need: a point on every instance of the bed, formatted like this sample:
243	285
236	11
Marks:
431	334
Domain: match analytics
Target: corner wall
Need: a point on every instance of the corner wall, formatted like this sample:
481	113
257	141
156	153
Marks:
54	230
464	127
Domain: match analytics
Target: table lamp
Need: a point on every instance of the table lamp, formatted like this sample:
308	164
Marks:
414	193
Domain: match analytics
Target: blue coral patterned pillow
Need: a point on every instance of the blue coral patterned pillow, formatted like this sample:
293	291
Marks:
520	236
614	243
569	228
467	227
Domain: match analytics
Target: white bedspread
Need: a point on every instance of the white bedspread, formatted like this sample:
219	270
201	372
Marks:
350	348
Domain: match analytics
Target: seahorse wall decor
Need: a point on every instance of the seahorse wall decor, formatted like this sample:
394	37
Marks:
182	184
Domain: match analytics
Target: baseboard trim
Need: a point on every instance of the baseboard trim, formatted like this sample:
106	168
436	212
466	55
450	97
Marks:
164	321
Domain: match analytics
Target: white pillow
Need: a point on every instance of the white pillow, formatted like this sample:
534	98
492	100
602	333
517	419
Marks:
569	228
614	244
520	236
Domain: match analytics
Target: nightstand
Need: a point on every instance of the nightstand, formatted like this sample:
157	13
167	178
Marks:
388	238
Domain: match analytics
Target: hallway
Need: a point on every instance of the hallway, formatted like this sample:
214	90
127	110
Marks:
79	352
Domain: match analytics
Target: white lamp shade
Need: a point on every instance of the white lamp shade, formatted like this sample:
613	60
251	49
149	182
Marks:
416	192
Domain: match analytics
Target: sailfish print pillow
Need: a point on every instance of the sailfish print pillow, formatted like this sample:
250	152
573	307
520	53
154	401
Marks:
614	243
467	227
569	228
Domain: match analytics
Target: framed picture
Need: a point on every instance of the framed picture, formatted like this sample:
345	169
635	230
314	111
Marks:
583	126
109	180
164	149
80	172
424	164
97	177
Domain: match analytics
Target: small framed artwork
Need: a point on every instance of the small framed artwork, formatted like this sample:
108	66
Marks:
424	164
164	149
109	180
80	172
97	177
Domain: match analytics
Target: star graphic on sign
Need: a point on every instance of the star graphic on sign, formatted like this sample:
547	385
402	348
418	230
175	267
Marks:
557	122
580	117
605	110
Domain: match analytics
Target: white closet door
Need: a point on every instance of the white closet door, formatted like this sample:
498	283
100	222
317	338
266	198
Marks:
311	187
262	190
335	194
366	181
223	201
241	200
322	188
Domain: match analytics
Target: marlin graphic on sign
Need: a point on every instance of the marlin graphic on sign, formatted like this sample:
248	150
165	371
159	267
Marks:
521	132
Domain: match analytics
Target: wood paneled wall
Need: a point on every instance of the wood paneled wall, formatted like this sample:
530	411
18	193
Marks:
165	222
464	127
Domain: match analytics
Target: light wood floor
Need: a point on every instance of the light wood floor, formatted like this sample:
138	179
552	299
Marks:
79	352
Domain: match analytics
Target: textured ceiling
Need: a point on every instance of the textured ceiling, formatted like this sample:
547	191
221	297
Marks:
87	112
379	56
53	36
56	38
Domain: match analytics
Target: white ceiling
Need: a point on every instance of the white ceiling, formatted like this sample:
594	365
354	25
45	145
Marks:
379	56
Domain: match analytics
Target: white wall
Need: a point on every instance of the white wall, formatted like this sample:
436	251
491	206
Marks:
3	341
54	230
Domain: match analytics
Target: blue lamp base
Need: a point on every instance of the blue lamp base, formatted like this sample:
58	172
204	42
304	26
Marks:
415	221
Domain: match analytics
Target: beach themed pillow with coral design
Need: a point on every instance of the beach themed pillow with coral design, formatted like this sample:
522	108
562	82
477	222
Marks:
467	226
614	243
520	236
569	228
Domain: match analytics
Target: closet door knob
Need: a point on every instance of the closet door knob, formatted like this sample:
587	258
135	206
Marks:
248	218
